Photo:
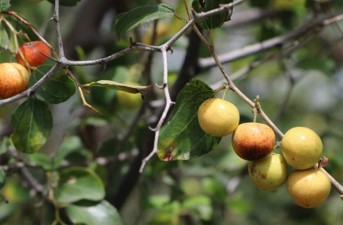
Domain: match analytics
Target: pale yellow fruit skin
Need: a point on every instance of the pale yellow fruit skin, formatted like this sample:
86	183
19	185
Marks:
308	188
129	100
301	147
268	173
14	78
218	117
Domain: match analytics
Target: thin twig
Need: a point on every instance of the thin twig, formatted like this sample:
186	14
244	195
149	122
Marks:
58	30
168	104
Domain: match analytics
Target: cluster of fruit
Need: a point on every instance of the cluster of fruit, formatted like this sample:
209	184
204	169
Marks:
301	149
14	76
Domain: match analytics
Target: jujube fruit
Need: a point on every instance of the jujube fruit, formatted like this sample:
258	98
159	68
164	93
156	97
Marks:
252	141
218	117
34	52
308	188
268	173
129	100
301	147
14	78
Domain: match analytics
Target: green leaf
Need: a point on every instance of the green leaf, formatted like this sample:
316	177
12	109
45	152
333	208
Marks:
102	213
42	160
140	15
215	20
4	39
118	86
66	2
4	5
321	63
59	88
32	123
4	145
2	177
182	138
201	205
77	184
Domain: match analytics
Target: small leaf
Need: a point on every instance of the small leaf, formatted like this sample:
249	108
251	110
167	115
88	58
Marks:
4	39
215	20
182	138
4	5
79	184
118	86
140	15
59	88
102	213
32	122
66	2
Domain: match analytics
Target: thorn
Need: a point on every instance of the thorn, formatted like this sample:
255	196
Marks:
154	129
170	49
163	86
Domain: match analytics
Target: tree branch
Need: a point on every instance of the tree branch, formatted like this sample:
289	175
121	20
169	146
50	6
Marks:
310	26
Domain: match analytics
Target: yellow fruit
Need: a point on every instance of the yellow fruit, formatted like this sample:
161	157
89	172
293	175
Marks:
252	141
268	173
308	188
14	78
218	117
301	147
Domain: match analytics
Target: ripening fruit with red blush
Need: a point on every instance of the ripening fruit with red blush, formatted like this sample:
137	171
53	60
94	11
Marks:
34	52
253	141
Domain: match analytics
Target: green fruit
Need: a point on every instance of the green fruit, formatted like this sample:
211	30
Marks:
268	173
218	117
215	20
308	188
301	147
129	100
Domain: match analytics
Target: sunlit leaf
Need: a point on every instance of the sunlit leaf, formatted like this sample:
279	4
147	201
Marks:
182	138
101	213
118	86
77	184
32	123
4	5
4	39
143	14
